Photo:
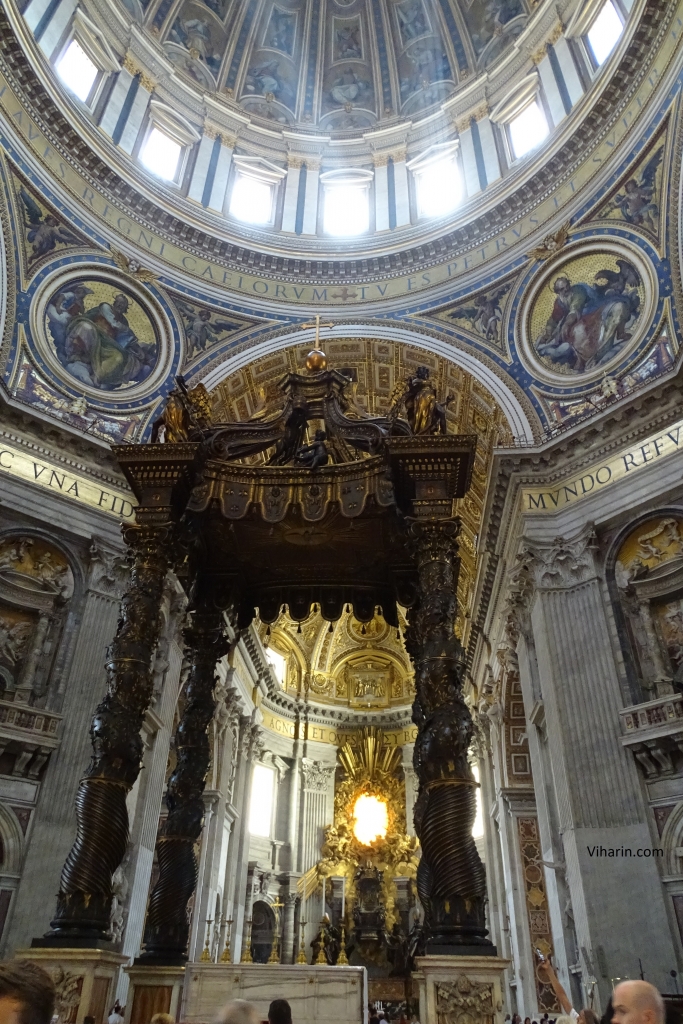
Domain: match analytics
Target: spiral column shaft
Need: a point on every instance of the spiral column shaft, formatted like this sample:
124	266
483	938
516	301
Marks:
167	925
85	893
451	879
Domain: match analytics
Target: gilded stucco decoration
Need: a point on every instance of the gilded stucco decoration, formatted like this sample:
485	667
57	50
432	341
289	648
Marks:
338	663
654	543
587	311
370	767
375	368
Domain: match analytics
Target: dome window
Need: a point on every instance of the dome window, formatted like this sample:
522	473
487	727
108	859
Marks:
438	181
160	154
604	33
167	142
84	63
251	200
254	190
522	118
77	71
528	130
346	202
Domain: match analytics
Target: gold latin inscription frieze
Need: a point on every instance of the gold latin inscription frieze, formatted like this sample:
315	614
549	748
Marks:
324	734
15	462
658	446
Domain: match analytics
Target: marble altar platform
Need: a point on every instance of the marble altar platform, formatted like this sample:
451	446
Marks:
460	989
317	995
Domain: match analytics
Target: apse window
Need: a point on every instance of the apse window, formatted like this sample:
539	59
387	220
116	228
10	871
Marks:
278	663
251	200
261	804
161	154
604	33
439	189
77	71
346	209
527	130
370	819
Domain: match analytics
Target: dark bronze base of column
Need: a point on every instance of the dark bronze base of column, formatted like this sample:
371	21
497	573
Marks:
63	940
458	928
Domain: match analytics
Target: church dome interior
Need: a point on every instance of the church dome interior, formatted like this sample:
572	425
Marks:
341	523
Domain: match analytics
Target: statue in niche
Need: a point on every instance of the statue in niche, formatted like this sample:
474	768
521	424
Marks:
417	393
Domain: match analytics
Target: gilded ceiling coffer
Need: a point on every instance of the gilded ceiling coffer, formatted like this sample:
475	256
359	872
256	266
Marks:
262	526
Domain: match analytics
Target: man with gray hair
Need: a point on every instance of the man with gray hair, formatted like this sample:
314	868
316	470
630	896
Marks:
637	1002
239	1011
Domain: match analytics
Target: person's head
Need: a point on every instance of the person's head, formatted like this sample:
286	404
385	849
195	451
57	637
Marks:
280	1012
637	1002
239	1011
564	1018
588	1016
562	285
527	1020
120	304
162	1018
27	993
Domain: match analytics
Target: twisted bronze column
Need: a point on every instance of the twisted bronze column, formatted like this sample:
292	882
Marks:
167	925
451	881
85	894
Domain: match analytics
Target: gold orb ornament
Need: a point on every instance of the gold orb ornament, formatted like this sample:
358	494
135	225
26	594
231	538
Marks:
316	361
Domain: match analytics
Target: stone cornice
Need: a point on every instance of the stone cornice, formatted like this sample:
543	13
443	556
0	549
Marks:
288	707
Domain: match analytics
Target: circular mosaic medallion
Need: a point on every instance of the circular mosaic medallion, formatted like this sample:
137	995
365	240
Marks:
586	310
101	334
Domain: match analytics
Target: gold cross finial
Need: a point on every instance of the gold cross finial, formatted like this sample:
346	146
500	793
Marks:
316	323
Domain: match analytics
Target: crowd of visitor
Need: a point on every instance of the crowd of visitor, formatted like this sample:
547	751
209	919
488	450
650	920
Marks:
27	996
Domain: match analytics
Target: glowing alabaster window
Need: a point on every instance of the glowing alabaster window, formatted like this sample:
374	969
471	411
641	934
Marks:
278	663
261	803
439	188
604	33
252	200
370	819
346	204
161	154
528	129
478	827
77	71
